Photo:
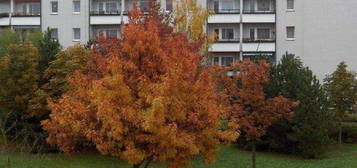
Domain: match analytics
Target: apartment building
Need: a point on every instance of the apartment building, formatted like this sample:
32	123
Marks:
322	32
20	15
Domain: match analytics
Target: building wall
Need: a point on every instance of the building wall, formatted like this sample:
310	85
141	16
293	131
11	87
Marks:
66	20
325	31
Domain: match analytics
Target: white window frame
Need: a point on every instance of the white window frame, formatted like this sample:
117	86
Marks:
27	6
51	5
221	32
74	8
52	29
256	33
221	2
172	5
74	34
294	32
140	1
287	6
106	11
105	32
220	59
271	32
257	9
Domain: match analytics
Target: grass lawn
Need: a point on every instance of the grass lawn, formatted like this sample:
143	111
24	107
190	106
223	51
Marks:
229	157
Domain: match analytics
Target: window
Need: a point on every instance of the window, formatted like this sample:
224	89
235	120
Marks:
216	6
290	32
223	60
216	33
227	5
35	8
263	33
54	33
216	61
111	7
54	7
76	6
76	34
227	61
252	34
227	34
108	7
169	5
290	4
107	33
263	5
144	5
31	8
112	33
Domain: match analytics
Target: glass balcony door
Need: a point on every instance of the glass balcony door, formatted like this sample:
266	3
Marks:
108	7
28	9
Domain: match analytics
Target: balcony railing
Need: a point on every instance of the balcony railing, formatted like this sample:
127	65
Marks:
233	40
249	40
249	11
226	11
20	14
103	13
4	15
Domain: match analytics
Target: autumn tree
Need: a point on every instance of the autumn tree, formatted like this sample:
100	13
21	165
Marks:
250	107
144	99
190	18
341	87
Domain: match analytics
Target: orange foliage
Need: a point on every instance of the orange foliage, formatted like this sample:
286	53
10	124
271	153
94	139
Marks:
146	98
249	105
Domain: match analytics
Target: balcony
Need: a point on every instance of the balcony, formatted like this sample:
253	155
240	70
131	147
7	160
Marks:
260	18
225	11
108	12
224	18
24	13
267	11
26	20
31	8
106	31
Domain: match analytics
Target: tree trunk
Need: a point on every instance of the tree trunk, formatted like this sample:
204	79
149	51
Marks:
340	134
148	162
253	154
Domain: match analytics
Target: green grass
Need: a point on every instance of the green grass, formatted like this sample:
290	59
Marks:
229	157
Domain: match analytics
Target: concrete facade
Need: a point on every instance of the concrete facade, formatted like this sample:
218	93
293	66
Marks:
324	30
325	33
65	20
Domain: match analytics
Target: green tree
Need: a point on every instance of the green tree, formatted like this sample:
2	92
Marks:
54	80
48	47
19	81
308	130
24	65
341	87
7	37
